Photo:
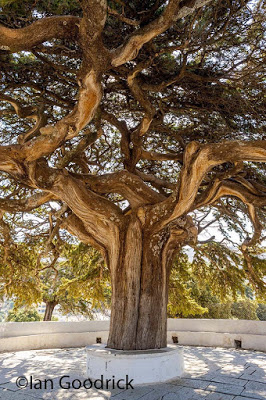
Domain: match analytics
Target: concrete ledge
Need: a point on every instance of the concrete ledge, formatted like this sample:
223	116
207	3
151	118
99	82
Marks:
217	325
51	341
15	336
141	366
217	339
11	329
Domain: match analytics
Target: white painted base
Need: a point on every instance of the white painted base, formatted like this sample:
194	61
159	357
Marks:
143	366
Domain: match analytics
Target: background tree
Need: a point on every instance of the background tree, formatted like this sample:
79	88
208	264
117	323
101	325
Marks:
143	122
79	283
54	272
194	293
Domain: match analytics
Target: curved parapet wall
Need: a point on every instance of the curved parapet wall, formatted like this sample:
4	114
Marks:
15	336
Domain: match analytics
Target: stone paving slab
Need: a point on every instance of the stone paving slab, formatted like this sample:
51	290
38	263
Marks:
211	374
193	383
244	398
229	380
255	389
10	395
219	396
225	388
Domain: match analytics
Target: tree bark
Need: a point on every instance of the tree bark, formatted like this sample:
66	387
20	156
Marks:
50	305
140	289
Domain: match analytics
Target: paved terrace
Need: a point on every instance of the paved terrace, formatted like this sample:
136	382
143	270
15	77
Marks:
211	374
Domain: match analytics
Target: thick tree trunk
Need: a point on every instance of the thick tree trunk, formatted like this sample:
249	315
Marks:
50	305
140	291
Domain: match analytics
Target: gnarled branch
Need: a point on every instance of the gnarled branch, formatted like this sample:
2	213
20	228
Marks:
130	186
30	112
101	218
65	27
198	160
27	204
175	10
76	227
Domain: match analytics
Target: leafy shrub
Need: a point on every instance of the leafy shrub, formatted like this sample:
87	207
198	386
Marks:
261	312
244	309
23	315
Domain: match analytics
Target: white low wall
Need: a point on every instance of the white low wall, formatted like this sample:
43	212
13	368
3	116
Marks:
16	336
218	332
11	329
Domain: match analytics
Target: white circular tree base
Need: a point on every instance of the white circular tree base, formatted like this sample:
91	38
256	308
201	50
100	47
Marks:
143	366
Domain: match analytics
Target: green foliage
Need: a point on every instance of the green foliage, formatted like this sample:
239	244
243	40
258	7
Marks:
80	283
77	279
182	304
18	274
182	301
215	307
244	309
259	270
219	310
23	315
261	312
193	294
49	7
220	268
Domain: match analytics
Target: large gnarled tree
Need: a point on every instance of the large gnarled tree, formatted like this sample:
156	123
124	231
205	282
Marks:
135	115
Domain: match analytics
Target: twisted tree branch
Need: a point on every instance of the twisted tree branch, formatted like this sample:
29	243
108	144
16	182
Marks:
65	27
